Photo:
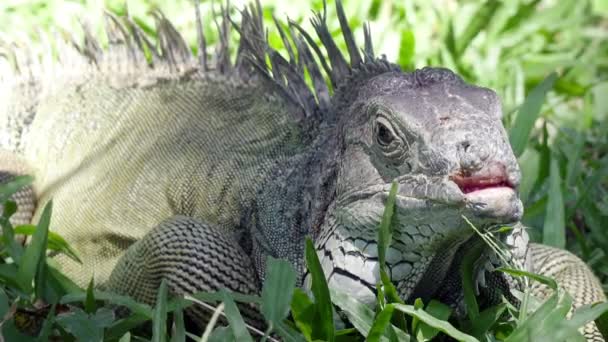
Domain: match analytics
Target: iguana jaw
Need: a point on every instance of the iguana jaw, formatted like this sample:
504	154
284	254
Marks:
491	193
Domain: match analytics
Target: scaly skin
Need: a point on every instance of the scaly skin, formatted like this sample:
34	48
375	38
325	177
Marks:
195	176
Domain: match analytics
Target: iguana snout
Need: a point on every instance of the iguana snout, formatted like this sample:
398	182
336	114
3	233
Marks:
490	193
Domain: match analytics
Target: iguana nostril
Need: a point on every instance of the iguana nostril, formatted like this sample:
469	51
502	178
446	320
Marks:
465	145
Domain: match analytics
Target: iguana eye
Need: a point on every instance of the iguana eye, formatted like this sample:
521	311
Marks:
384	135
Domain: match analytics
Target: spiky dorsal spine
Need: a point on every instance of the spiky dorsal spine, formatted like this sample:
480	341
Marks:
131	59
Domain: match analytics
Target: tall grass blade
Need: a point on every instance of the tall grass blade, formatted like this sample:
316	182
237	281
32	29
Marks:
528	113
321	292
554	228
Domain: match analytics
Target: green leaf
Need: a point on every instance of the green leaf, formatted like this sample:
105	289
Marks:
214	297
385	233
277	290
47	326
159	327
11	333
487	318
237	324
179	328
304	313
321	292
524	11
479	22
466	274
4	305
8	275
540	278
89	303
126	337
418	304
437	310
55	241
602	323
85	327
122	326
288	333
222	334
9	189
554	228
533	322
433	322
60	283
528	113
360	315
582	316
35	253
385	236
407	48
8	236
382	321
130	303
529	162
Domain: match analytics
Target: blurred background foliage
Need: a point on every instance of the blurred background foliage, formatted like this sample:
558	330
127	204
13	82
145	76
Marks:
509	46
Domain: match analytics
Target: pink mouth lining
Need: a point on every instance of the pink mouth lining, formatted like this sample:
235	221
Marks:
470	184
492	178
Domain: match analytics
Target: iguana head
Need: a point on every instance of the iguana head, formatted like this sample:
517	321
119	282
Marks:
442	141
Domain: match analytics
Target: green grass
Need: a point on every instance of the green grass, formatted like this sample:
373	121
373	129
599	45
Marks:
38	305
557	124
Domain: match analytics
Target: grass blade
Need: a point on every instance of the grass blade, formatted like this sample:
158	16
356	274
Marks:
89	302
528	112
382	321
9	189
385	234
278	290
35	253
478	22
434	322
466	273
321	292
437	310
179	328
554	228
159	322
55	241
237	324
303	312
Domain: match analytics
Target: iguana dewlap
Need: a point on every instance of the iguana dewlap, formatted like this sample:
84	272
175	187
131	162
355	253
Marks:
194	171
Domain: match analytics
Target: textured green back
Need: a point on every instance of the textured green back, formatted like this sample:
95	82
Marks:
117	161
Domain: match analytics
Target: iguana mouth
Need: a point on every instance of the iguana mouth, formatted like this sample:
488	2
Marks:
475	183
493	176
490	193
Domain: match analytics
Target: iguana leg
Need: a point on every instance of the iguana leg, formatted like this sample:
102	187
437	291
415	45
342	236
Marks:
191	256
10	167
573	275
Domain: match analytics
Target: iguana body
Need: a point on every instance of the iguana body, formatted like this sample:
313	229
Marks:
197	175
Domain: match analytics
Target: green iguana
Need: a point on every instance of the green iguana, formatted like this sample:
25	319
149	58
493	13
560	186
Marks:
162	165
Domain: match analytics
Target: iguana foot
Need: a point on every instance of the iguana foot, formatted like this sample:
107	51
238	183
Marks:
192	257
573	275
10	167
